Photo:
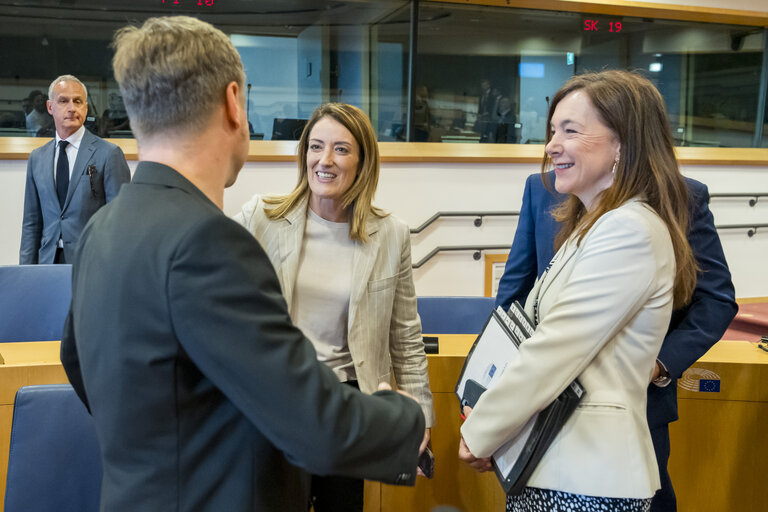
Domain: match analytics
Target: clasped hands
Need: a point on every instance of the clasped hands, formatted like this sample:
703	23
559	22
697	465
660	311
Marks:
480	464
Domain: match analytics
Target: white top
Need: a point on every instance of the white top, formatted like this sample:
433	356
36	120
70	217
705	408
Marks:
383	327
321	295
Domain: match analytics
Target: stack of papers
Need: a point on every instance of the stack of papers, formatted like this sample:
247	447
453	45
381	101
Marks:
495	348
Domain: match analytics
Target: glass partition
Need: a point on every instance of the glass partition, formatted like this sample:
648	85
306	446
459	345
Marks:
296	53
481	74
489	72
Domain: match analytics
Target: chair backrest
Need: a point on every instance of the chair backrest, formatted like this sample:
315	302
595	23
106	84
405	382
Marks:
55	460
454	315
34	301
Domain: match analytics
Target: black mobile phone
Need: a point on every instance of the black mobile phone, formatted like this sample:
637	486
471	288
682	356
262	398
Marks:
427	462
472	392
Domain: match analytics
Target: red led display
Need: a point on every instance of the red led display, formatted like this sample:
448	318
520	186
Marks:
593	26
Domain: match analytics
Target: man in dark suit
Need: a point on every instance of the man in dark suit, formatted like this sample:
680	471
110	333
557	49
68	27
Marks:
487	104
66	186
507	127
205	397
692	330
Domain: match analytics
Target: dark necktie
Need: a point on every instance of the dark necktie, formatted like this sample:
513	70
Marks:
62	173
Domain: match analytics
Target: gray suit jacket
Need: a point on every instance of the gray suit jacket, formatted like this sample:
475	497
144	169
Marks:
384	329
45	221
204	396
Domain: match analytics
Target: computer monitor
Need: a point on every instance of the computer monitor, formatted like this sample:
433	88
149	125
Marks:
288	129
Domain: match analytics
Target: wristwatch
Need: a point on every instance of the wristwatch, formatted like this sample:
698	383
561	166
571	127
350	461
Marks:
663	379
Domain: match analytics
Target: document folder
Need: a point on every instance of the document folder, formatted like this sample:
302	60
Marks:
495	348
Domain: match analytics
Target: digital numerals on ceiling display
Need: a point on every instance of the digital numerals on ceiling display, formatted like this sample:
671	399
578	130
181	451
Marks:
597	26
199	2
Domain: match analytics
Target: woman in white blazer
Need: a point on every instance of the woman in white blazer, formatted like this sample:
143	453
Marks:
345	270
603	305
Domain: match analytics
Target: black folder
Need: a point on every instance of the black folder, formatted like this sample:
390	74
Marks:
517	327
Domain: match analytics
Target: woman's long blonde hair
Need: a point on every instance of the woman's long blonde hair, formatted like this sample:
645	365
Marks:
360	195
632	107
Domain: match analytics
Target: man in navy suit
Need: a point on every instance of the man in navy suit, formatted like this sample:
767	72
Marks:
692	330
68	179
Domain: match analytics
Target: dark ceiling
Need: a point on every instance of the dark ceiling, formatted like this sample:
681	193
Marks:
98	19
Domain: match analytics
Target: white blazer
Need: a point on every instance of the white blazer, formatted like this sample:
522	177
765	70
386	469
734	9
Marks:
384	329
604	308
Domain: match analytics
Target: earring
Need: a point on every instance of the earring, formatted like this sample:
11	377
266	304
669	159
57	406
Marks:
613	171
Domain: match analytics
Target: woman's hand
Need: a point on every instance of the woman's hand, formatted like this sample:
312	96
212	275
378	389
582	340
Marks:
425	441
480	465
423	446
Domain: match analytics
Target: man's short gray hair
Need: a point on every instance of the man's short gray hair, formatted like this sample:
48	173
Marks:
172	71
67	78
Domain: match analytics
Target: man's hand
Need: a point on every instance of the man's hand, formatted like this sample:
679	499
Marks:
384	386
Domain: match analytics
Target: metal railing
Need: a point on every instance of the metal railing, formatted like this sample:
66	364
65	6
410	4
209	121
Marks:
751	228
752	202
478	220
479	248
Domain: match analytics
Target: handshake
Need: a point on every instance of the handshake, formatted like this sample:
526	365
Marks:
426	465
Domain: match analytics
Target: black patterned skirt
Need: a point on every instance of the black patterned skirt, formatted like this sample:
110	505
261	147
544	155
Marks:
533	499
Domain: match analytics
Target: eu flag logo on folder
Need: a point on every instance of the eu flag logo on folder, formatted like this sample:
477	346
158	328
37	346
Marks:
709	385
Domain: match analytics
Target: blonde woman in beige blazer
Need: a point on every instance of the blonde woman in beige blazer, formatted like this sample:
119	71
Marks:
603	305
338	174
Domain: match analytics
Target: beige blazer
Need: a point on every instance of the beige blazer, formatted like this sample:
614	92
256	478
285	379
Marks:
604	307
384	329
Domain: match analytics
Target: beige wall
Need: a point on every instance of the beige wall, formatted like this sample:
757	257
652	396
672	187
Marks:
416	191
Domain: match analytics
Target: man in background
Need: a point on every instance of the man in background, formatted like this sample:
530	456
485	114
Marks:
692	330
36	117
506	122
68	179
204	395
487	105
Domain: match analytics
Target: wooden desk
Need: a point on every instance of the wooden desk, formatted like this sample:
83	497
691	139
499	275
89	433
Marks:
25	364
718	462
454	483
719	455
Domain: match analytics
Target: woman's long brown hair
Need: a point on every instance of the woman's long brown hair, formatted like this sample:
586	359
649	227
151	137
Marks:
632	107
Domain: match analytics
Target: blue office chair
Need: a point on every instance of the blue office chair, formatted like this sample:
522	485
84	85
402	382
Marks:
55	459
34	301
454	315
